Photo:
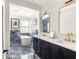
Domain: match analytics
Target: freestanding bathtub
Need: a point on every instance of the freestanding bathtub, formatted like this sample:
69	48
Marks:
25	40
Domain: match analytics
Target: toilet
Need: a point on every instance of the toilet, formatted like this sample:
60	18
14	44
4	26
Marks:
25	40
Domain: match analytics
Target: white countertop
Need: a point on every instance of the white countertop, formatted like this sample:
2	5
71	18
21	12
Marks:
59	42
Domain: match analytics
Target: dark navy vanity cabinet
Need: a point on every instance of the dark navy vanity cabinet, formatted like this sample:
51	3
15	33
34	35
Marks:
46	50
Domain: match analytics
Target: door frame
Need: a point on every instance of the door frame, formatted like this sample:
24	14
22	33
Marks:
5	29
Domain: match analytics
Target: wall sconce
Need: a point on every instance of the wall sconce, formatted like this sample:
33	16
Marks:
45	13
68	1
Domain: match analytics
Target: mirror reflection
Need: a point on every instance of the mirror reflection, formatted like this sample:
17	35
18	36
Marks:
68	19
45	22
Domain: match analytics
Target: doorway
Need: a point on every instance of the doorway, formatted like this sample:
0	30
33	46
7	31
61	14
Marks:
23	25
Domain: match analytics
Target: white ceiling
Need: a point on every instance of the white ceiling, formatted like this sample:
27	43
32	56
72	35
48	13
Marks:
16	10
35	4
17	7
40	2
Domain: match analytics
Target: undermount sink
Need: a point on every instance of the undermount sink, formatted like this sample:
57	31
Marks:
60	41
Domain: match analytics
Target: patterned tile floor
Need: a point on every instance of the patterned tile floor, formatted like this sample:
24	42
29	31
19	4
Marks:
21	52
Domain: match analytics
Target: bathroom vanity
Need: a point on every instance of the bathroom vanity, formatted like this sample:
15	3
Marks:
47	48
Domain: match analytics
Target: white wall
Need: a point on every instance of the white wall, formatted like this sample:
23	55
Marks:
29	19
53	7
23	13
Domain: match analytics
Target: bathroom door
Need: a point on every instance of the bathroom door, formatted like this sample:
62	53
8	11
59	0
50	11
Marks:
5	30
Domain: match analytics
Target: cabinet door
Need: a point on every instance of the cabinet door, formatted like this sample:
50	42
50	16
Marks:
44	49
60	53
54	52
68	54
50	51
35	45
44	53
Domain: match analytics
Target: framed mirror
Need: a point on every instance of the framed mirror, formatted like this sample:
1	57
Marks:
46	23
68	19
